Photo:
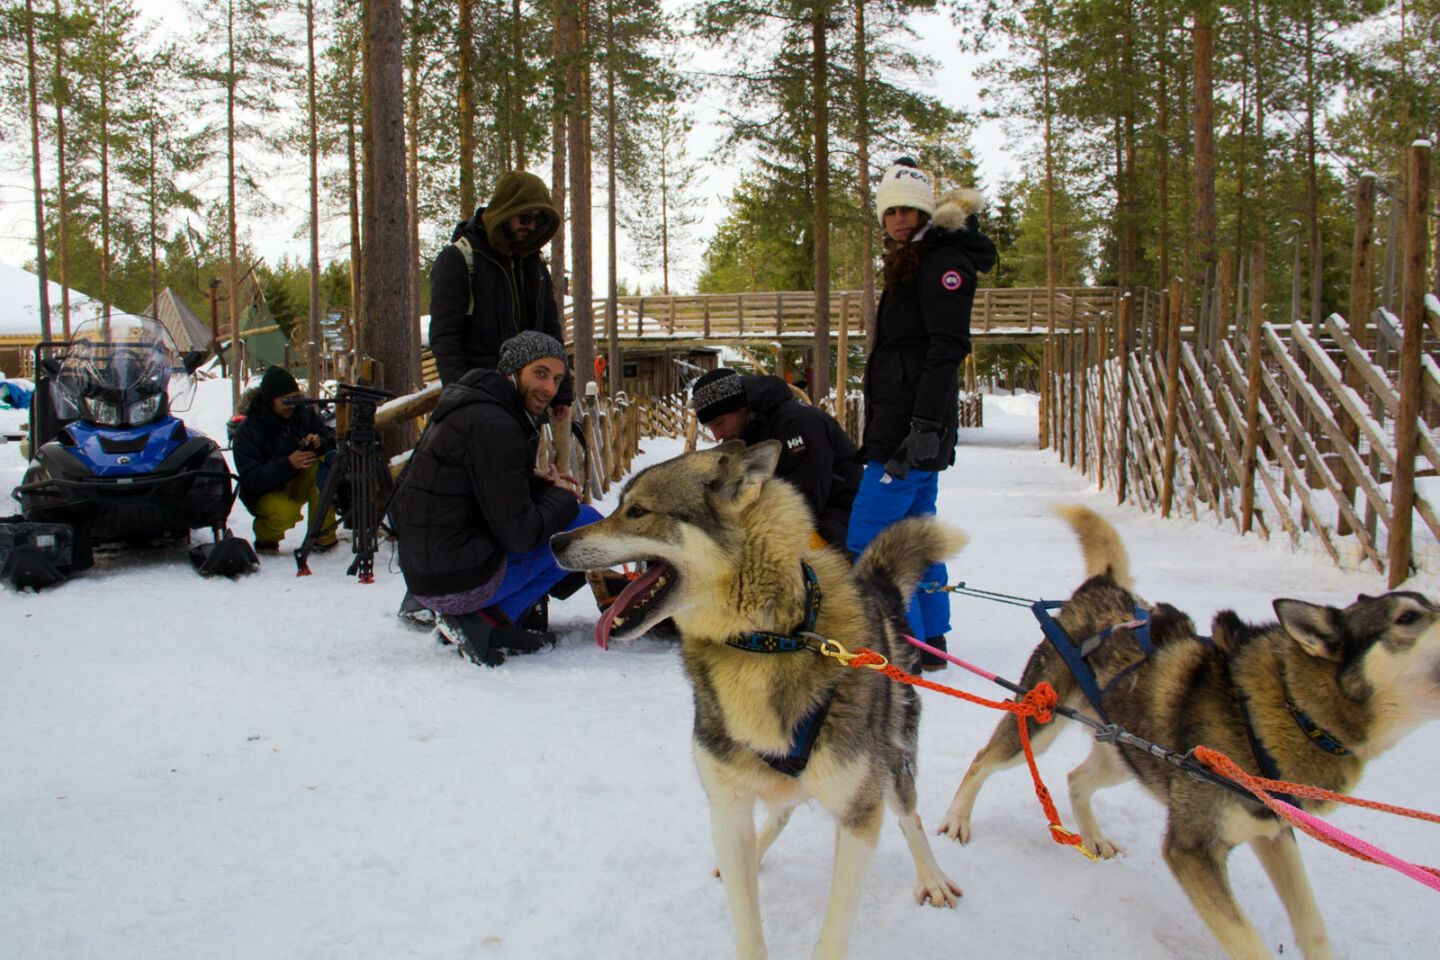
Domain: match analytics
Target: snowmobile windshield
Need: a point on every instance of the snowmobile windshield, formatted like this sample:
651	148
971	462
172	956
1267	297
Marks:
123	371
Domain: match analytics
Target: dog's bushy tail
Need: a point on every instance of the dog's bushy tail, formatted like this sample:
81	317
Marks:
900	553
1104	553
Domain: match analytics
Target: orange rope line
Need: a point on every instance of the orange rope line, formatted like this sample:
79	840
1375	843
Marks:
1038	703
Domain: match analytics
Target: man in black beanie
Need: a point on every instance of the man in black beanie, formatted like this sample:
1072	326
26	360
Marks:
278	451
815	454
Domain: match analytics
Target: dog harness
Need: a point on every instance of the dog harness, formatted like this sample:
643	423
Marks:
1317	734
803	737
1074	654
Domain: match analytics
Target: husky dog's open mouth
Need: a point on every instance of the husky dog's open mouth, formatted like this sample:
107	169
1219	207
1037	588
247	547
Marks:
639	606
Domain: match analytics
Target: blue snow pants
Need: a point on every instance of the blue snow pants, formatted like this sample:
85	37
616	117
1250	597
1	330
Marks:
530	575
881	501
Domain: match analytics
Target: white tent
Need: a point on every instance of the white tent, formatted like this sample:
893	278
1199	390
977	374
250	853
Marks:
20	304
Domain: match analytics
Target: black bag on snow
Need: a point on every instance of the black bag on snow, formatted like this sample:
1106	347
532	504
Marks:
37	555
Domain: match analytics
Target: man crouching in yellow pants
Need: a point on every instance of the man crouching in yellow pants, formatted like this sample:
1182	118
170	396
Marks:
278	451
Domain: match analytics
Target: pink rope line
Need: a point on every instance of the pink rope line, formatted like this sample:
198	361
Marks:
1340	837
978	671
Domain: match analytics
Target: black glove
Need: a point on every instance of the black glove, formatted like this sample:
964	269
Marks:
922	443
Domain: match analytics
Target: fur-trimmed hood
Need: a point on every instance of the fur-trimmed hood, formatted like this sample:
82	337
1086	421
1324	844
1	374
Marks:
957	207
955	224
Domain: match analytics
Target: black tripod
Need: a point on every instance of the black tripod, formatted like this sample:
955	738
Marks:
359	459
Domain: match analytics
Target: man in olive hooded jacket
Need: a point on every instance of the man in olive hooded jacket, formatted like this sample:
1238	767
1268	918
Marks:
490	283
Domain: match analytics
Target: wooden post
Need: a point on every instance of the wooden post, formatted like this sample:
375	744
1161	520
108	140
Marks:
1226	283
1072	404
842	361
1252	388
1086	359
1172	399
1122	417
1402	488
1361	270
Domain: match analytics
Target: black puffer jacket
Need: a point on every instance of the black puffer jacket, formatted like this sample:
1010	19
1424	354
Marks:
263	444
470	492
815	455
922	335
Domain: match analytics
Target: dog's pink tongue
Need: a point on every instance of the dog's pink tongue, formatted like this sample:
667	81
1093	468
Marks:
606	623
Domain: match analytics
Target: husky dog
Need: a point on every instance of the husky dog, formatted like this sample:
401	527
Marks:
1308	700
726	545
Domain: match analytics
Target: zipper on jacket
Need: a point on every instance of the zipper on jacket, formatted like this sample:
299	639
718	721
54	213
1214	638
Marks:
509	273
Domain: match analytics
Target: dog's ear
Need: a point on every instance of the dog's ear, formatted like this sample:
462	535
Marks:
743	470
1314	627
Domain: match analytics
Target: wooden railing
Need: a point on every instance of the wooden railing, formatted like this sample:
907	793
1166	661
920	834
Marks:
999	312
1320	422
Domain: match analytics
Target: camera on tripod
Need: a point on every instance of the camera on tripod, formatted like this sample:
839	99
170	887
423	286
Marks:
360	460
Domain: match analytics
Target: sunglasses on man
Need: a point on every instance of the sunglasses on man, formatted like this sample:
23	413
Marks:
535	218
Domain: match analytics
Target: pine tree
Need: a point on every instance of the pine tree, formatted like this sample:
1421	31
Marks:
242	64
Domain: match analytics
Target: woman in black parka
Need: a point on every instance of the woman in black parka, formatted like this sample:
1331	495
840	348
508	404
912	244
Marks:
932	258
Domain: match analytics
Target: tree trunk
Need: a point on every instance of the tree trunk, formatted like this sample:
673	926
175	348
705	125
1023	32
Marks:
1204	100
862	163
819	385
313	151
34	102
557	165
389	326
612	292
412	196
577	116
1312	185
232	268
1162	151
62	183
465	106
104	90
517	57
357	242
1129	226
1048	398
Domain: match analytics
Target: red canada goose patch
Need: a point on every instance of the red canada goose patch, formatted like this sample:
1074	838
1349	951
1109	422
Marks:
951	280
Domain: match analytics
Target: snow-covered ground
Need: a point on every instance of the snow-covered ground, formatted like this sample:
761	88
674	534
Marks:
277	767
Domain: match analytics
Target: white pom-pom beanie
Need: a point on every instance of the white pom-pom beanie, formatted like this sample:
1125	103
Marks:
904	185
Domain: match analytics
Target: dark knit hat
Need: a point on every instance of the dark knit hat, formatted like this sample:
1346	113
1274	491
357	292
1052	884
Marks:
717	393
277	382
525	348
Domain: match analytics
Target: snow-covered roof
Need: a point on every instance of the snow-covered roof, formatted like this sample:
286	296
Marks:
20	303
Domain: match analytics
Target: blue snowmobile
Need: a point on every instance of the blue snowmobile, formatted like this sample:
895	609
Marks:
110	458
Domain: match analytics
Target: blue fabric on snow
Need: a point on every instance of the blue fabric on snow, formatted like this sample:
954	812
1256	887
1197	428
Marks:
14	395
882	500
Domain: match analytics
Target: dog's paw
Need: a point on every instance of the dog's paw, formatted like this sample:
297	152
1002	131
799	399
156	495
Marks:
955	827
1103	848
938	891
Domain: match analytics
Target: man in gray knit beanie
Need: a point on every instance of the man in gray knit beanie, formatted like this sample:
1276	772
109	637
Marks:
525	348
